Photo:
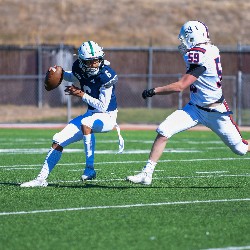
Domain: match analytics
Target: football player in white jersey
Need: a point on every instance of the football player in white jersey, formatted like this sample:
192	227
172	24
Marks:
97	88
207	106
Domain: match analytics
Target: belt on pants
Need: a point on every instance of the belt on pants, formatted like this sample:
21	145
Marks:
205	109
211	110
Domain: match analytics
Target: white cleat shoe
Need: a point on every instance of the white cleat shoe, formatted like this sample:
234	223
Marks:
35	183
88	174
141	178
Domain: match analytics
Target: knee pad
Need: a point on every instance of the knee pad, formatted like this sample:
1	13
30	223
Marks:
240	148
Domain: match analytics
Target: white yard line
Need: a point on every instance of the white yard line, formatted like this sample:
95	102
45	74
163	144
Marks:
131	162
212	172
229	248
124	206
123	126
76	150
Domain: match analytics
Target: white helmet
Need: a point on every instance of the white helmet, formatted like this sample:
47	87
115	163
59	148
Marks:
191	34
90	51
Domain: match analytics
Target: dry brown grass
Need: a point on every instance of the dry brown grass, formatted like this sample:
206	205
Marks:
120	22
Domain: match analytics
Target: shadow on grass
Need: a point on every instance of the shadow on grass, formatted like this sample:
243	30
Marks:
10	183
129	186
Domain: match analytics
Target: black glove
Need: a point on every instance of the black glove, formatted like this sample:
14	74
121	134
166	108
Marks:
148	93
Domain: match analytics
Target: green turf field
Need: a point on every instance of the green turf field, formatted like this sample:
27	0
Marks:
199	199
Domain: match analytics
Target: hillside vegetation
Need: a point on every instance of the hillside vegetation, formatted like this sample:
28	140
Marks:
117	23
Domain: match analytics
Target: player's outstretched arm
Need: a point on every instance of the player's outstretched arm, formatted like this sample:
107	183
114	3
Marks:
174	87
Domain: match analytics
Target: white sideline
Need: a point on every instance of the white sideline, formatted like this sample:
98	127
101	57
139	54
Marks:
124	206
124	126
130	162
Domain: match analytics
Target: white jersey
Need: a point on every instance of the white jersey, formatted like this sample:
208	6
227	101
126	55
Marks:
207	88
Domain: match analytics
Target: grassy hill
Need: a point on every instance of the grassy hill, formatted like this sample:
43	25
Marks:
120	22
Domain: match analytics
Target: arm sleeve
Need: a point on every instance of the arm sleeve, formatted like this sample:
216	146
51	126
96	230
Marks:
69	77
196	70
102	103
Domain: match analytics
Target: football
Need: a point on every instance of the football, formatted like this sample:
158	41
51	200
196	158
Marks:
53	78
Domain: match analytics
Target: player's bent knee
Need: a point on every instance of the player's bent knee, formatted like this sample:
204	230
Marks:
162	132
240	149
57	147
162	138
56	144
86	130
55	138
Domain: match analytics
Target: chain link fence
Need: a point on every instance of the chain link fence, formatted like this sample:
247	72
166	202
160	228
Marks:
22	71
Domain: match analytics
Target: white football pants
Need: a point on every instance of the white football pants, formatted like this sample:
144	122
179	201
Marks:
219	122
98	122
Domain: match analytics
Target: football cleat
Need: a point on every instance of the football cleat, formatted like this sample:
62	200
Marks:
141	178
35	183
88	174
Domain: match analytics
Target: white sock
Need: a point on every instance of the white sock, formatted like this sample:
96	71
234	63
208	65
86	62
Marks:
150	166
89	147
51	160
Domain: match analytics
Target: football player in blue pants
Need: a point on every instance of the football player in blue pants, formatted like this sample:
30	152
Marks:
97	88
207	105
